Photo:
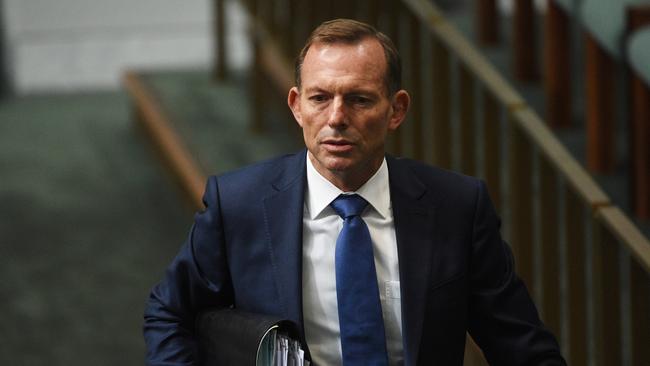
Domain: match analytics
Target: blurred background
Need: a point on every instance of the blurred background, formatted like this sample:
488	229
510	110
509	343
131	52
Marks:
112	114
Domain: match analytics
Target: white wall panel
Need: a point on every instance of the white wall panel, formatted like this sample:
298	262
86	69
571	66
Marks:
55	45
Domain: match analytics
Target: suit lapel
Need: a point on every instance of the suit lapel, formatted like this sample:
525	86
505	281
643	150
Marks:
413	213
283	209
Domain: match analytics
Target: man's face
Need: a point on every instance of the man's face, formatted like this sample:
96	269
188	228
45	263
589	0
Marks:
344	110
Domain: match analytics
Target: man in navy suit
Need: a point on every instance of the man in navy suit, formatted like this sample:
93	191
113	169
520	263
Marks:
266	241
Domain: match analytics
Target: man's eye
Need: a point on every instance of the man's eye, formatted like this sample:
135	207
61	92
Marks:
318	98
360	100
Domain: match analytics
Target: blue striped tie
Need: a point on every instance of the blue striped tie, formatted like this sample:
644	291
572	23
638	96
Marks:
363	339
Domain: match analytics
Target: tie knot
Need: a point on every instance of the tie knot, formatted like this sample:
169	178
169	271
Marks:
347	205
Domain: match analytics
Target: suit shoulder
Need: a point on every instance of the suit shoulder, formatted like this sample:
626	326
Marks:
255	176
456	194
439	178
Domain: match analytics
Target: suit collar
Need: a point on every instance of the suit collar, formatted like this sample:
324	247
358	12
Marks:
320	192
413	212
290	171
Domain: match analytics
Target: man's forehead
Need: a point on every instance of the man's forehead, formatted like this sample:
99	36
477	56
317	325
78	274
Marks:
364	47
365	58
357	88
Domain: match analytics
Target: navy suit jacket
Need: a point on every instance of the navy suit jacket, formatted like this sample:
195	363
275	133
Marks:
456	273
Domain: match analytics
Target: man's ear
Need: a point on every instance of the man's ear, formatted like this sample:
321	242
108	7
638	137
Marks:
400	105
293	100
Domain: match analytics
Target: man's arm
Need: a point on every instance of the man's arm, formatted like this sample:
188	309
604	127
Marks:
198	278
502	317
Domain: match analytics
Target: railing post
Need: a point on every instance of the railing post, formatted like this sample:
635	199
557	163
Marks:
395	10
5	83
283	25
550	249
257	79
257	125
576	282
487	22
219	71
520	186
441	139
524	57
467	105
415	78
393	15
600	108
607	295
492	147
346	9
557	67
267	12
320	12
639	137
310	15
373	12
384	16
640	313
303	24
362	10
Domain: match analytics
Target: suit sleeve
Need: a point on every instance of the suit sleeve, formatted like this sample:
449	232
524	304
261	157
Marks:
502	317
197	278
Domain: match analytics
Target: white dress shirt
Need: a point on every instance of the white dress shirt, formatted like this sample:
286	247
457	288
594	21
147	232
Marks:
321	227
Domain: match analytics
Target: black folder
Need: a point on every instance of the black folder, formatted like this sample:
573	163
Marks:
233	337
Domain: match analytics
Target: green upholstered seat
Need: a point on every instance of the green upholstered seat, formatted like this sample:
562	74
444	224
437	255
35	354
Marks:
605	21
638	53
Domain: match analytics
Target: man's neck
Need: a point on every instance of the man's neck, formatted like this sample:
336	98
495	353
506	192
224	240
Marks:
348	180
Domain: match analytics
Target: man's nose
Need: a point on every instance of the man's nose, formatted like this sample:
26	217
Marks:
337	117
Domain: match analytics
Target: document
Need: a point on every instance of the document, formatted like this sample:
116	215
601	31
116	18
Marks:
278	349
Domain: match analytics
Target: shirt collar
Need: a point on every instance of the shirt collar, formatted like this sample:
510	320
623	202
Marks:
321	192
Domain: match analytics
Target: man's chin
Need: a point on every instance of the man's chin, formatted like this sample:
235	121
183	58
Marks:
338	166
334	164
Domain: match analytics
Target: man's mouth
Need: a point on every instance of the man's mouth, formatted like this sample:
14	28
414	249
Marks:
337	145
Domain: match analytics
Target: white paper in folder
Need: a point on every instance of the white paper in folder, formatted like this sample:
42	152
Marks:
278	349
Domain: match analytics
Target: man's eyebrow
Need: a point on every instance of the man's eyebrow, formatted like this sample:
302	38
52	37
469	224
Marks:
353	91
314	89
364	91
